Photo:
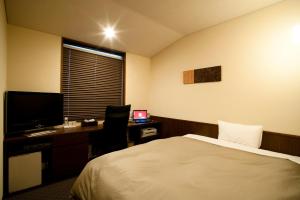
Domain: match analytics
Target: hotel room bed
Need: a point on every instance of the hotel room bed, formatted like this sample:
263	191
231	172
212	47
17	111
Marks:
189	167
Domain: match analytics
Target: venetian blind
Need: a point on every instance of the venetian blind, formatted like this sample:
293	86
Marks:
90	82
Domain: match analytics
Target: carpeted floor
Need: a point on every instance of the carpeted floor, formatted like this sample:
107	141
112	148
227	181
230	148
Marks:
55	191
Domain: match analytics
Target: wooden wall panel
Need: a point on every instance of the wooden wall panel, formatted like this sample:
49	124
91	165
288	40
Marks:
188	77
283	143
208	74
278	142
176	127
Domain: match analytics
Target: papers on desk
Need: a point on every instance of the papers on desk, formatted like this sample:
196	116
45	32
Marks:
40	133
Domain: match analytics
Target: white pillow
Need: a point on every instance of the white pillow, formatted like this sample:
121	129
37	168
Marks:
249	135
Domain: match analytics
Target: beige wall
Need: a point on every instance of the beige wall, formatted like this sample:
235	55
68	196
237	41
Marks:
137	81
260	63
34	63
33	59
260	72
2	83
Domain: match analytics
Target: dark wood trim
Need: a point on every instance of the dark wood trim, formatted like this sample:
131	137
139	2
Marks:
282	143
61	63
278	142
88	45
176	127
124	78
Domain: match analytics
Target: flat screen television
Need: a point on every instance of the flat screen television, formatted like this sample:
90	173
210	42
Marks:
30	111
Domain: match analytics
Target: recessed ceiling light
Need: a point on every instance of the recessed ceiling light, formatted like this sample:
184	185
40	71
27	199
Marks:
109	32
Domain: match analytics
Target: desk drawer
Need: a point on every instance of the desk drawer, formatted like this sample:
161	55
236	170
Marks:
70	139
68	160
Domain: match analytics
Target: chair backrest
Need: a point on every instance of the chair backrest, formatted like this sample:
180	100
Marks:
115	127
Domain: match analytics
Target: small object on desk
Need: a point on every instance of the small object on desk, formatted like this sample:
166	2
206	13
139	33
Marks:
69	124
66	121
89	122
100	122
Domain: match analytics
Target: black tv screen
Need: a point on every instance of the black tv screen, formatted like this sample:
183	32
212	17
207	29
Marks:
28	111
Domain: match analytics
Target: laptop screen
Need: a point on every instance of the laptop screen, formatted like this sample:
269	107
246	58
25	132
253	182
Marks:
139	114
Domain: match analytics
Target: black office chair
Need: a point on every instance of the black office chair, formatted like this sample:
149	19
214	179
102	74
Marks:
115	128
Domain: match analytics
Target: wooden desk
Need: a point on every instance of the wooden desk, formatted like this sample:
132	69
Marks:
64	152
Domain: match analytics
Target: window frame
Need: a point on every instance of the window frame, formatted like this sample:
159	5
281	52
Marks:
97	48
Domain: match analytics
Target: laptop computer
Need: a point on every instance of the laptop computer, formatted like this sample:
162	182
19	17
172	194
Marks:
140	116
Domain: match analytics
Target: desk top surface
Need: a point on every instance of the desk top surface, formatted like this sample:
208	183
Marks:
72	130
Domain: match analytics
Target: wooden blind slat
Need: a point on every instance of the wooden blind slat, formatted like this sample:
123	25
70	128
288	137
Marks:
90	82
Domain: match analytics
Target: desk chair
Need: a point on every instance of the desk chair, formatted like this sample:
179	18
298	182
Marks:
115	128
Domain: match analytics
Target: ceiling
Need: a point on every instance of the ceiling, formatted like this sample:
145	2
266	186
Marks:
145	27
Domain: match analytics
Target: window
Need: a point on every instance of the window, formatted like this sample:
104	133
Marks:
91	80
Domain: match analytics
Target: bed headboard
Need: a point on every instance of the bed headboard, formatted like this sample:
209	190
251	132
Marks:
278	142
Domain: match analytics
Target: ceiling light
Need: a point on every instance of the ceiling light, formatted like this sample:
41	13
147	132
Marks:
109	32
296	34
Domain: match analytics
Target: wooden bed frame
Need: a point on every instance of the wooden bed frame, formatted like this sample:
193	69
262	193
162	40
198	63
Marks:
278	142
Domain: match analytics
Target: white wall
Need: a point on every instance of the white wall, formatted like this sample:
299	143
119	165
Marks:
137	81
2	83
260	72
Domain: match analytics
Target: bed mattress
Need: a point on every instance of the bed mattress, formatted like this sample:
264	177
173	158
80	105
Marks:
187	168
